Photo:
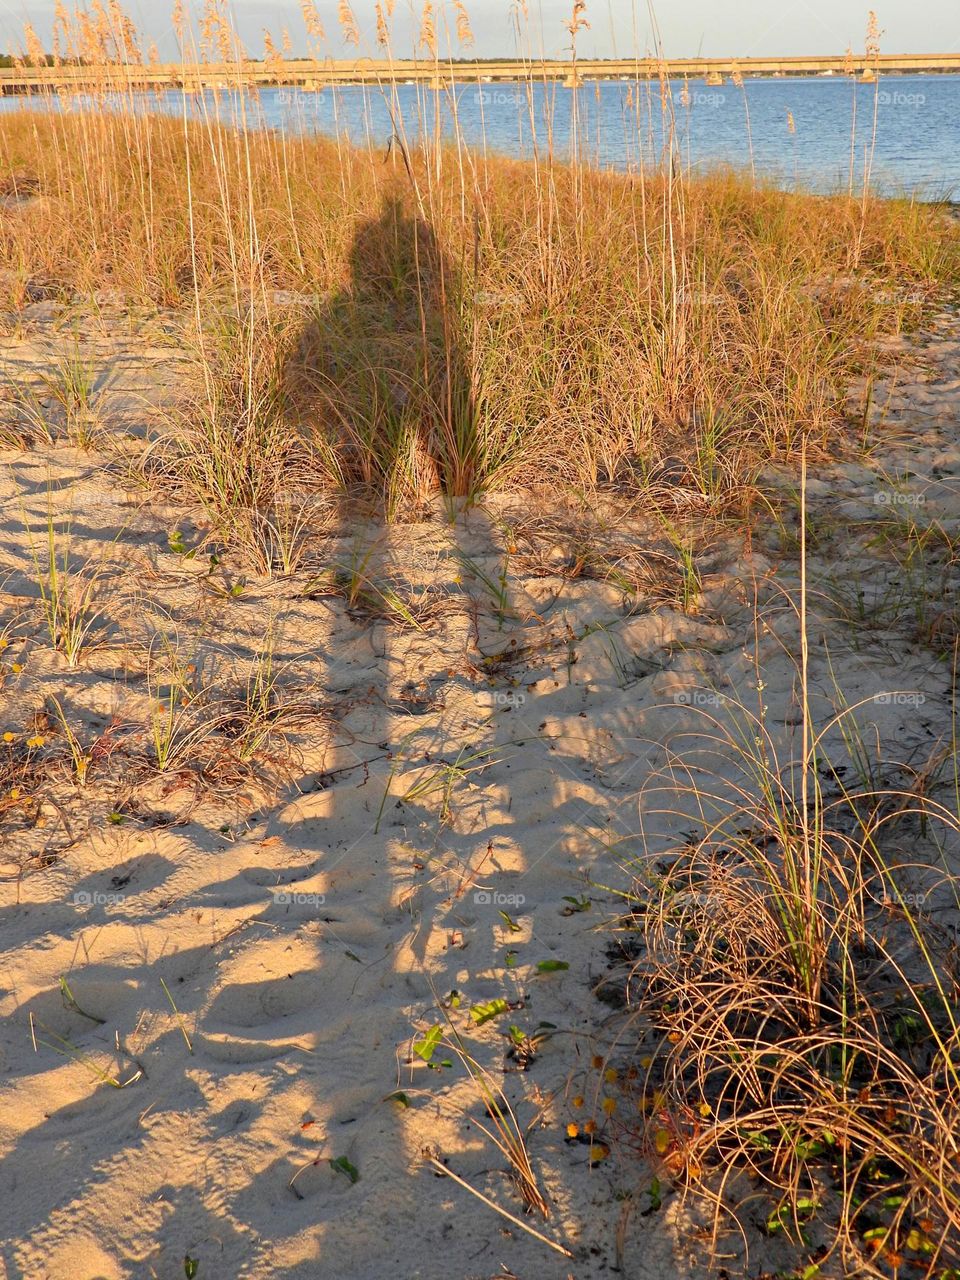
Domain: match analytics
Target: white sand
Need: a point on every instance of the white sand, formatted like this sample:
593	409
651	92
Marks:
302	1013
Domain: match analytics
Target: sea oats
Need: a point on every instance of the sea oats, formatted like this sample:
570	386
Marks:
464	30
36	54
176	20
311	20
577	20
348	23
383	34
428	30
874	35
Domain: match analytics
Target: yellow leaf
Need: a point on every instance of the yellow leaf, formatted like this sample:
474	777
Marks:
661	1141
705	1109
577	1102
610	1075
609	1106
598	1152
572	1130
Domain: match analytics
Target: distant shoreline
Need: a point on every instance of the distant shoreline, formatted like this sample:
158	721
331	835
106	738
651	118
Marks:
317	73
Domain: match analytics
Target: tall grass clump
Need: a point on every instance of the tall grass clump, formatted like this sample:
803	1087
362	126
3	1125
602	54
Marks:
469	321
808	1045
232	445
802	1003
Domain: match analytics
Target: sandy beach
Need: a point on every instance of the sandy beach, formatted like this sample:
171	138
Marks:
479	641
463	781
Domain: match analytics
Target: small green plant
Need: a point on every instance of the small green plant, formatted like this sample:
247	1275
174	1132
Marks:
445	776
264	713
79	755
342	1165
691	584
363	589
177	724
69	593
498	588
177	545
70	1002
575	905
179	1017
487	1010
67	1049
504	1131
73	387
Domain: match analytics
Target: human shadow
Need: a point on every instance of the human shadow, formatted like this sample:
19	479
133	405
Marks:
383	369
381	377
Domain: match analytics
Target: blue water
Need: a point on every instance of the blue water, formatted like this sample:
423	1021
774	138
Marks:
916	149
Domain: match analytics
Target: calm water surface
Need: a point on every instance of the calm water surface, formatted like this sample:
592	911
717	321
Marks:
917	147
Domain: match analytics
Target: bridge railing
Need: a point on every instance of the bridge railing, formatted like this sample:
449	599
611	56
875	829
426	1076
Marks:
367	71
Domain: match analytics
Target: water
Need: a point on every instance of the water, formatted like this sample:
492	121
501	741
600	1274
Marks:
917	147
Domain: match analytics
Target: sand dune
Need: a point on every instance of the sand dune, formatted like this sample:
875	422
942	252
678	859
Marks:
463	800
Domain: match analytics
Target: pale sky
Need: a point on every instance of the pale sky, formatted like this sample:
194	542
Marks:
721	28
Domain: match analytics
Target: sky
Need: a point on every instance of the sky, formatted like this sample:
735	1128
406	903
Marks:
717	28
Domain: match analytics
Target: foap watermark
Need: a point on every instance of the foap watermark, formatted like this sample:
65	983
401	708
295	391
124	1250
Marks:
292	298
493	898
898	98
898	297
503	700
91	497
83	898
499	98
294	97
915	900
697	297
697	98
697	698
691	901
893	498
283	898
900	699
490	299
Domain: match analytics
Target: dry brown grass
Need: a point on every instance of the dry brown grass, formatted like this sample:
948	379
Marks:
684	329
442	322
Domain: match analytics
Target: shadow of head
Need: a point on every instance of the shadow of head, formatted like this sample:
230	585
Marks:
384	364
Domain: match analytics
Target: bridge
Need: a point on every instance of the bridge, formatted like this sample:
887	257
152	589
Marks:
320	74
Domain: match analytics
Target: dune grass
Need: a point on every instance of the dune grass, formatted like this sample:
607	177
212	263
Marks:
803	1005
436	322
439	320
